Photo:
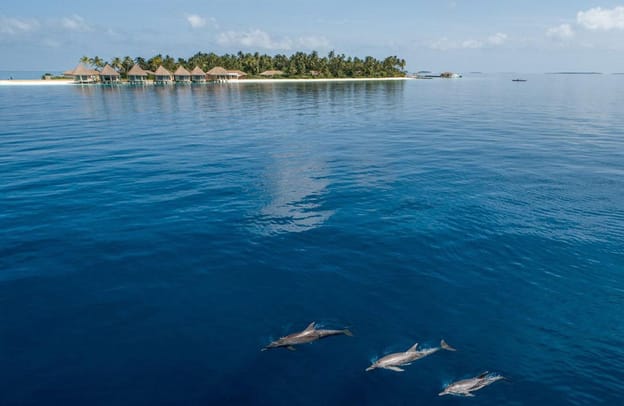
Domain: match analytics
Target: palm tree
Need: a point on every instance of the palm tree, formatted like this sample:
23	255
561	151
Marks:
116	63
85	60
142	62
126	64
98	62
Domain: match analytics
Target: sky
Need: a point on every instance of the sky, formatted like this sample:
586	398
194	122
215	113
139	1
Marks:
461	35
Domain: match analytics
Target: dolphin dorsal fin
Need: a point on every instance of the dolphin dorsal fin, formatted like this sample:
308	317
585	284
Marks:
483	375
413	348
310	327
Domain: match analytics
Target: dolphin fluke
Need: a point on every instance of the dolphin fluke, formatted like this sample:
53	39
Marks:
347	332
446	347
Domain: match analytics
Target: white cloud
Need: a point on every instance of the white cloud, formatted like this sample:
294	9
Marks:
445	44
313	43
14	26
497	39
602	19
562	32
196	21
75	23
253	39
472	44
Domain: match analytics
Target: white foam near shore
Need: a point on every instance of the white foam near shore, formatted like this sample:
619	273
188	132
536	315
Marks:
62	82
36	82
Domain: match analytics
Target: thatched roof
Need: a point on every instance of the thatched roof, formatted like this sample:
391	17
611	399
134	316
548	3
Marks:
162	71
237	72
197	72
182	72
81	70
217	71
272	73
109	71
137	71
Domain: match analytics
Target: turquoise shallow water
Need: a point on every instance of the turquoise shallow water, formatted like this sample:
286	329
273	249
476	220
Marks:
153	240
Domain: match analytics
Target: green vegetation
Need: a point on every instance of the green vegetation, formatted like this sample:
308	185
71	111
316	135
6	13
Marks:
297	65
49	76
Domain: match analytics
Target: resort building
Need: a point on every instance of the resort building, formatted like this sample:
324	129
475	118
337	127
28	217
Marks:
162	76
218	74
109	75
236	74
137	76
181	75
82	74
272	73
198	75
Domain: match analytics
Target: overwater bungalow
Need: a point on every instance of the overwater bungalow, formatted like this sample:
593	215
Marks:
162	76
137	76
218	74
82	74
109	75
181	75
236	74
198	75
271	73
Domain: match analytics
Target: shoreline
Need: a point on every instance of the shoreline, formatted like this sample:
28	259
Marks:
63	82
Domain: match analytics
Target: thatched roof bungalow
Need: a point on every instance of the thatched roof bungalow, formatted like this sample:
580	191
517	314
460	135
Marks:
136	75
218	73
162	76
109	75
237	74
181	75
82	74
198	75
272	73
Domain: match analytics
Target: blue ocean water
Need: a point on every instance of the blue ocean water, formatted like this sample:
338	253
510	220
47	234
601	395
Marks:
26	74
153	240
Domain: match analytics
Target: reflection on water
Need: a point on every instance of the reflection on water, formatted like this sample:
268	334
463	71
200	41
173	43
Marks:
295	188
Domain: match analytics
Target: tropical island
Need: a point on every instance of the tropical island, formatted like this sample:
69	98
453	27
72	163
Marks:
299	65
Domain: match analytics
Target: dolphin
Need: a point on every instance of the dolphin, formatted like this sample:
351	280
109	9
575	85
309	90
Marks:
398	359
310	334
465	387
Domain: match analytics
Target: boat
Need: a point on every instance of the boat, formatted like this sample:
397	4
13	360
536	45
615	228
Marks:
518	80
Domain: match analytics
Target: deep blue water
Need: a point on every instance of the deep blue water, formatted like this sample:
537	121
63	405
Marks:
153	240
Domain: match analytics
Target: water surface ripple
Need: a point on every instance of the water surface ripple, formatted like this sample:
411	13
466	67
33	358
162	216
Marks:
154	239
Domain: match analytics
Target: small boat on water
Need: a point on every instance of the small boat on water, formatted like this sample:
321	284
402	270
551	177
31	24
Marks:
518	80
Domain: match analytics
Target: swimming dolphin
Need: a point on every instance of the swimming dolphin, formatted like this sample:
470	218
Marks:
465	387
308	335
398	359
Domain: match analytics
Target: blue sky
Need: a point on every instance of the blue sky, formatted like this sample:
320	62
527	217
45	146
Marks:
460	35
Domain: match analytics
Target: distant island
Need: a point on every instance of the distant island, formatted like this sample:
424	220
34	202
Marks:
255	65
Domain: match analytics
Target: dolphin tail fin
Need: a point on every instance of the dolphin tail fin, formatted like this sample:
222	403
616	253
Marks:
347	332
446	347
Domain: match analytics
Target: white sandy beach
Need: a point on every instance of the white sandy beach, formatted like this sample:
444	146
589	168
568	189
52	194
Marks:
62	82
36	82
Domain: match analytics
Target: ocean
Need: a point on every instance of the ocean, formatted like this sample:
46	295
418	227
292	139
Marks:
154	240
